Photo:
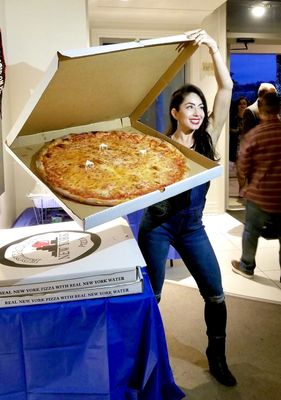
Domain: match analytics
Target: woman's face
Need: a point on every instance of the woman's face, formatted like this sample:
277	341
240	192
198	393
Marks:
242	104
191	113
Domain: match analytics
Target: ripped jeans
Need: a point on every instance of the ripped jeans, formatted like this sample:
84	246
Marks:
185	231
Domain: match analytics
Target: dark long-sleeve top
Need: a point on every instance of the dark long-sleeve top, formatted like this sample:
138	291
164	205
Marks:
250	117
259	161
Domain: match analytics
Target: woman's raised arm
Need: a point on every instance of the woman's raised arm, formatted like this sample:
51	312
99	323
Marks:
223	95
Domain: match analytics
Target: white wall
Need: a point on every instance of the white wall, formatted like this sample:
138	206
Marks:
215	25
258	49
33	30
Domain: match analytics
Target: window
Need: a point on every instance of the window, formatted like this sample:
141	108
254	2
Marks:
249	70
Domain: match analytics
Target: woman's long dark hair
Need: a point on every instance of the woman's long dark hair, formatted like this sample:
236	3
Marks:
203	143
234	108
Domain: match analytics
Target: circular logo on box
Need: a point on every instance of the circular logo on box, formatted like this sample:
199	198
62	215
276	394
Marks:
49	248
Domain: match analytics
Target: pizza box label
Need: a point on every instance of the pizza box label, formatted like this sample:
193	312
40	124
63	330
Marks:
104	88
65	256
122	289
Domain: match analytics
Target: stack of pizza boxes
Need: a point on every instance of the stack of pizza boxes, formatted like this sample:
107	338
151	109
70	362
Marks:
60	262
105	88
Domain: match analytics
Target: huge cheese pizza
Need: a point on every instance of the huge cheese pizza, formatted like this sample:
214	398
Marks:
108	168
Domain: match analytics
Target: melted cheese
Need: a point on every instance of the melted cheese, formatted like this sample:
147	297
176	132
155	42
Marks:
113	166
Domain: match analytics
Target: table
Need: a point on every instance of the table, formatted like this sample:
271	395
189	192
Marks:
102	349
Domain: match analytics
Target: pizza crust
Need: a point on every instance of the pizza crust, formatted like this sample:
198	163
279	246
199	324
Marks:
108	168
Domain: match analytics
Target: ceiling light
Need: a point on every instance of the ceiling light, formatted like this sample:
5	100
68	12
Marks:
258	11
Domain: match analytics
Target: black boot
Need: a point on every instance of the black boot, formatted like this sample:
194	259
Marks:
217	362
215	317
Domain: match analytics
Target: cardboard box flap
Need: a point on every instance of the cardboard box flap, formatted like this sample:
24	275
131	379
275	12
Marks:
103	83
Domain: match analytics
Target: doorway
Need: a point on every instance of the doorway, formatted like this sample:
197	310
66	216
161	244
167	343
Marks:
248	71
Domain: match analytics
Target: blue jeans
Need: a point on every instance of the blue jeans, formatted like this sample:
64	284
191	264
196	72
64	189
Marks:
255	220
185	231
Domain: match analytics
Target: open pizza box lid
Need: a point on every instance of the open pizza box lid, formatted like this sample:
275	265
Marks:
104	88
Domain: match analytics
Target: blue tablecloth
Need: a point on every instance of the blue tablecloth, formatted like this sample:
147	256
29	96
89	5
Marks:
102	349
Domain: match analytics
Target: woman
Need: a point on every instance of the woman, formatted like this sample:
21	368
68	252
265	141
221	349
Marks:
236	126
178	221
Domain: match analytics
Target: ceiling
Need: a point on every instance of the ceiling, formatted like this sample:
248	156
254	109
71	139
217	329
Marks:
240	19
264	32
180	15
161	15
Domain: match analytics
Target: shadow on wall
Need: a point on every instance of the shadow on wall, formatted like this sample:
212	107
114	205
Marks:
21	81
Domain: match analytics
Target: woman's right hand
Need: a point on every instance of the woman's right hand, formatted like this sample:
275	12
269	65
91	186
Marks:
199	36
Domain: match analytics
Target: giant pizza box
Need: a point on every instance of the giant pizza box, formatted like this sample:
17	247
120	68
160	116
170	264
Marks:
62	256
105	88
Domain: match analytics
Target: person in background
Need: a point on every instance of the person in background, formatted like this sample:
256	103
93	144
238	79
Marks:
235	130
236	125
251	118
259	166
178	221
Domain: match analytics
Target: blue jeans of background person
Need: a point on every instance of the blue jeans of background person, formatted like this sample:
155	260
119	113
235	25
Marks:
185	231
255	220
